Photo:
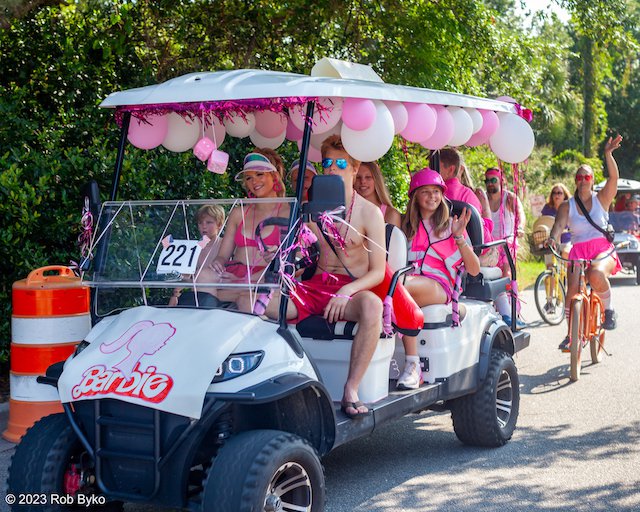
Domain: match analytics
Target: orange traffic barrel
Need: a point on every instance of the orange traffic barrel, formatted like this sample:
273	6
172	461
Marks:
50	317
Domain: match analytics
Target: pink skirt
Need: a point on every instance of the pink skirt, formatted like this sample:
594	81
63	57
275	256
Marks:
592	248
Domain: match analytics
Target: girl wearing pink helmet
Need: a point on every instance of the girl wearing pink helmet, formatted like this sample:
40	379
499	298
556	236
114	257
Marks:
437	248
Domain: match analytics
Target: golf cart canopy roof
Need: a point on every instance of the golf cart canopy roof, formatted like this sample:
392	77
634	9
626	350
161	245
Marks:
249	84
624	185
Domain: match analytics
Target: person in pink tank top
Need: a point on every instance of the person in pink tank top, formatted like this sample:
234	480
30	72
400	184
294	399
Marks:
452	171
589	242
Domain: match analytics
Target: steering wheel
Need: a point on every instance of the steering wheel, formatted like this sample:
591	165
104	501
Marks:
300	261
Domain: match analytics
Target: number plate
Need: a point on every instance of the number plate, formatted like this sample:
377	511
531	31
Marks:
179	256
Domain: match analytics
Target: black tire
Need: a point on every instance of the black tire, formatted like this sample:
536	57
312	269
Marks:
540	295
638	271
488	417
576	335
39	464
248	467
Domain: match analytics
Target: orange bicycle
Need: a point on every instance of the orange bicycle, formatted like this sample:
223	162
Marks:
586	316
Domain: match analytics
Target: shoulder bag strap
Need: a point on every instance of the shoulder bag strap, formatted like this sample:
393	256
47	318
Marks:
588	217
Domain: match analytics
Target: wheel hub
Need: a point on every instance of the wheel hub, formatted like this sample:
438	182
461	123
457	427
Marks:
290	489
504	399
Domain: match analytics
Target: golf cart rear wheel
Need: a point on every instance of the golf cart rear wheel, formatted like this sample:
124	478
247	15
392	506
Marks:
41	464
488	417
264	470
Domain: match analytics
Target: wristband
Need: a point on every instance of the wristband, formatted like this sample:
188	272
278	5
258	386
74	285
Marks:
458	237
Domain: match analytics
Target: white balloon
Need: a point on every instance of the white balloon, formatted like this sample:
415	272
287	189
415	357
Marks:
370	144
462	126
260	141
239	126
324	118
182	134
215	131
399	114
318	138
513	142
476	118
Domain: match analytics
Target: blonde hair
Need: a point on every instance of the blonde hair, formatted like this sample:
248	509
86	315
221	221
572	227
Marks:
277	162
214	211
565	192
335	142
411	220
378	182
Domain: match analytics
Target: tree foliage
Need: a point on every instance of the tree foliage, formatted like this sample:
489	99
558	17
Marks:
61	59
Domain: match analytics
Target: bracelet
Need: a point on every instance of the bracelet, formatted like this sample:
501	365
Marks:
340	296
458	237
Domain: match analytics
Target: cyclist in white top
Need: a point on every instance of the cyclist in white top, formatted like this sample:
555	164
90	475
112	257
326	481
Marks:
589	242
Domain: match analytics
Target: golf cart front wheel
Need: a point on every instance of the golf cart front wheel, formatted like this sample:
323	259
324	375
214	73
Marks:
264	470
44	464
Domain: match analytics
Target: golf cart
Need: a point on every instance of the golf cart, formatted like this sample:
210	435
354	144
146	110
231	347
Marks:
626	223
204	407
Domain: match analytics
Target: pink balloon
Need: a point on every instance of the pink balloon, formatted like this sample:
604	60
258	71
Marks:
490	124
270	124
293	133
421	123
358	113
150	133
444	129
399	114
313	155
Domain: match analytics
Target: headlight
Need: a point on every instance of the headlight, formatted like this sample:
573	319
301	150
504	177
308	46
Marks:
236	365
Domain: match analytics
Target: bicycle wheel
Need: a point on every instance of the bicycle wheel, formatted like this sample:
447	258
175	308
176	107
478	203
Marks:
597	338
576	330
550	307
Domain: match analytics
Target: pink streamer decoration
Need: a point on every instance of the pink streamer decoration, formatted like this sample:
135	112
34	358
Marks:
387	313
221	109
86	224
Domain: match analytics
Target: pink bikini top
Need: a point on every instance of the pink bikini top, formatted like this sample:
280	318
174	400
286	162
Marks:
272	239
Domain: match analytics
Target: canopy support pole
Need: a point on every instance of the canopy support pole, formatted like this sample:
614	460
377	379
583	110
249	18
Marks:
115	181
296	210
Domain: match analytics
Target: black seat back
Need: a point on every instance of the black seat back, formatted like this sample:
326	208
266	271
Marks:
475	226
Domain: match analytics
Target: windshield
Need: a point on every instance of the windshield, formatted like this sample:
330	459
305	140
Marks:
625	221
183	252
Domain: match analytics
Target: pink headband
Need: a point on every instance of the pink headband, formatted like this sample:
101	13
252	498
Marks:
495	172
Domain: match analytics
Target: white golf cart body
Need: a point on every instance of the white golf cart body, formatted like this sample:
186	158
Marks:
160	425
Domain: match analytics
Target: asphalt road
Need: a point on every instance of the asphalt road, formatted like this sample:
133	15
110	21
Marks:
577	445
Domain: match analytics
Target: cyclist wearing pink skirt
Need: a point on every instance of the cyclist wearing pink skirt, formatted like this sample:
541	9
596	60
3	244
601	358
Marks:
588	241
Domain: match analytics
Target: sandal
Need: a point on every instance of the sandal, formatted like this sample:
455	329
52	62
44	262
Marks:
354	405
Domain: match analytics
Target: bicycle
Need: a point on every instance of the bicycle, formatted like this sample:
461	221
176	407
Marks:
550	287
549	292
586	316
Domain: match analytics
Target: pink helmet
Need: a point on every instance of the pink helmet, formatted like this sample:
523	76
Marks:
424	177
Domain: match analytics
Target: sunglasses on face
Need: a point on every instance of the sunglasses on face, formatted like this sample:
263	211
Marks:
557	193
490	181
341	163
585	177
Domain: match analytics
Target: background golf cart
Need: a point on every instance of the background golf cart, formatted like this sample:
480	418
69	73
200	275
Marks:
627	227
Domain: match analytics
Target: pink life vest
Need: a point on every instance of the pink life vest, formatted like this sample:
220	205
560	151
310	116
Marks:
439	258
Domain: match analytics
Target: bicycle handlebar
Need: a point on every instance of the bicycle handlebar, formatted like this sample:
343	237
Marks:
621	245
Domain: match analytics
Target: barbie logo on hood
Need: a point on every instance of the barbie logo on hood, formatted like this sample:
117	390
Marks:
129	376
